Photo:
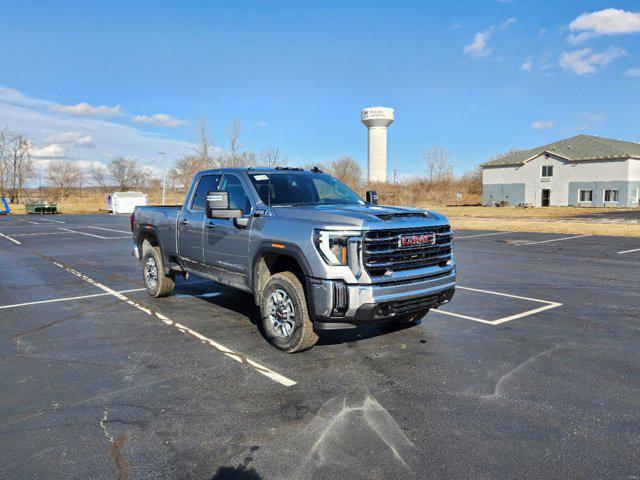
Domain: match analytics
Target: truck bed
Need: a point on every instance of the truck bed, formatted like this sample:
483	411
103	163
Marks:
163	219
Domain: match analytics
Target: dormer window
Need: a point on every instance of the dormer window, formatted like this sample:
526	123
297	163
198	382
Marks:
547	171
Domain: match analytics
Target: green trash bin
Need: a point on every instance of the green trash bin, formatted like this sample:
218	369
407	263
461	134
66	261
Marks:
41	207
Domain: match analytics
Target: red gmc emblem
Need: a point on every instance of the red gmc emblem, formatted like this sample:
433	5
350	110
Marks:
415	240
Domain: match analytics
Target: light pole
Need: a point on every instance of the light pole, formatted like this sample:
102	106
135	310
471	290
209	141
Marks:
164	175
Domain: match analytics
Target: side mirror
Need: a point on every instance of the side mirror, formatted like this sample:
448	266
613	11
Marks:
372	197
218	206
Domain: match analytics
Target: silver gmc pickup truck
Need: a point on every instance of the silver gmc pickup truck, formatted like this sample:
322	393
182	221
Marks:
314	255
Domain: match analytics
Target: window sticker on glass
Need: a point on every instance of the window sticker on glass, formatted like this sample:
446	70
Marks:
260	178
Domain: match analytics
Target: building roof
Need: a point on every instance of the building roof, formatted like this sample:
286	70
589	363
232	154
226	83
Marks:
580	147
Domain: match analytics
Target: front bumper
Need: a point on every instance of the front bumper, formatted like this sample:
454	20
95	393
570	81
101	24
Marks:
365	303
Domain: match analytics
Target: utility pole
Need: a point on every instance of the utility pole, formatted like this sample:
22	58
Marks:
164	175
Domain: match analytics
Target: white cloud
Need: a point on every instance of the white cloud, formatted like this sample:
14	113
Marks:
610	21
633	72
479	47
585	61
261	124
50	151
83	109
53	131
543	124
160	119
73	138
455	26
527	65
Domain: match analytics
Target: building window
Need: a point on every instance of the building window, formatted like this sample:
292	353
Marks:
585	195
547	171
636	195
611	195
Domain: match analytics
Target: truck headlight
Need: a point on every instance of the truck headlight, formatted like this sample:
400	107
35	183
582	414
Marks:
333	245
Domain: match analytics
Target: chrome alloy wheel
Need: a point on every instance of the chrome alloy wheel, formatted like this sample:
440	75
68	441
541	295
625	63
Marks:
282	315
151	273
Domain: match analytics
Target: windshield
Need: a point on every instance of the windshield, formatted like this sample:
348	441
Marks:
295	189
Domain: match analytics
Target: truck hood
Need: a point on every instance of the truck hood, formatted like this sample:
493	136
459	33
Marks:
362	216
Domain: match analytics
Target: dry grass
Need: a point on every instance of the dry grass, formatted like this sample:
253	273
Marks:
546	226
567	220
96	203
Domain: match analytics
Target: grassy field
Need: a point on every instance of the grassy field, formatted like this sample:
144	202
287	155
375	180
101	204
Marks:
567	220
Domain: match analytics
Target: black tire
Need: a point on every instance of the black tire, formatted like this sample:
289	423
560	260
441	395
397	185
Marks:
162	285
288	338
410	319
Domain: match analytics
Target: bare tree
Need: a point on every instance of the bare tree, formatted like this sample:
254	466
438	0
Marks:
438	167
125	172
348	171
98	175
203	148
498	156
234	130
235	157
16	165
62	176
185	168
272	157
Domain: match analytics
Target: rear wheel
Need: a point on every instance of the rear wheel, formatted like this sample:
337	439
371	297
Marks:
157	283
285	318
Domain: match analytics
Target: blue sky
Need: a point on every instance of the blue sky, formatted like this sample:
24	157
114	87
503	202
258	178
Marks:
85	79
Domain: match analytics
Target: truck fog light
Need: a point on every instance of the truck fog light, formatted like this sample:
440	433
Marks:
340	298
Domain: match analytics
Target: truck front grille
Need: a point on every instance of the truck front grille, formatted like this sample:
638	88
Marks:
382	251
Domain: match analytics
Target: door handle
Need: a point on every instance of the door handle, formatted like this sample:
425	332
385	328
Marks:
184	222
210	225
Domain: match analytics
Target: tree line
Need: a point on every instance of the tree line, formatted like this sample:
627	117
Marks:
124	173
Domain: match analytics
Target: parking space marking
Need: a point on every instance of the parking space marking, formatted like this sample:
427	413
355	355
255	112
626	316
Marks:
27	221
53	221
554	240
238	357
10	239
481	235
91	234
66	299
109	229
547	306
37	234
83	233
629	251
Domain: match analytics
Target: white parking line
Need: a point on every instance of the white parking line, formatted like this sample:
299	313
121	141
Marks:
47	220
481	235
10	239
37	234
629	251
553	240
91	234
82	233
109	230
66	299
238	357
27	221
547	306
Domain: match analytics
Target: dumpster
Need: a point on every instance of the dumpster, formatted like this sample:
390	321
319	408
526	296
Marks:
41	207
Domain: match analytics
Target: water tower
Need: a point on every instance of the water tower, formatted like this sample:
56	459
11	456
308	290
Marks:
377	119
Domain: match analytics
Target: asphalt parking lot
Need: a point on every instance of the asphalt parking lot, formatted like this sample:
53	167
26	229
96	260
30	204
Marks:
533	370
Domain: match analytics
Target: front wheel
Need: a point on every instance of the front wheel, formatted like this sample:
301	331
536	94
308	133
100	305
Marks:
285	318
157	283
